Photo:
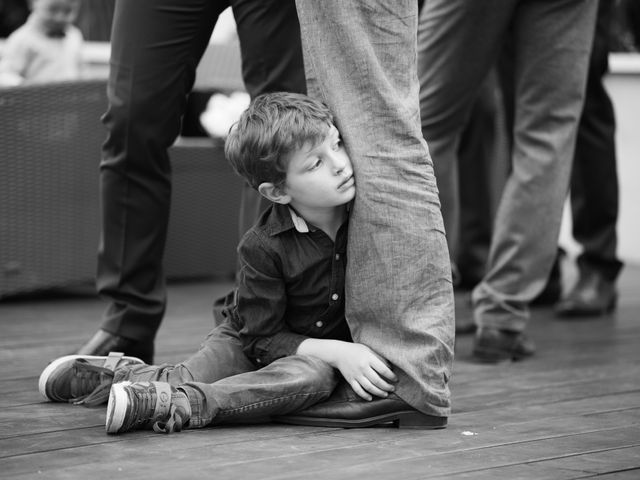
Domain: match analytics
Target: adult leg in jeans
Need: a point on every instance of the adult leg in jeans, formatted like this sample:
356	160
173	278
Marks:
594	187
399	295
156	46
548	37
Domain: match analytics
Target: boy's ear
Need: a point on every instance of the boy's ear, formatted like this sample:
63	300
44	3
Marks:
273	193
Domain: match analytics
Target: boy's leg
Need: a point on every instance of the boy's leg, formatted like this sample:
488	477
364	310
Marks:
220	356
284	386
88	378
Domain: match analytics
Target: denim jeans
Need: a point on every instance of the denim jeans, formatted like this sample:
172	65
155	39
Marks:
223	386
459	41
361	60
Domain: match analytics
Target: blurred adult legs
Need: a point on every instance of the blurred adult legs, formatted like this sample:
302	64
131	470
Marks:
482	172
594	186
459	41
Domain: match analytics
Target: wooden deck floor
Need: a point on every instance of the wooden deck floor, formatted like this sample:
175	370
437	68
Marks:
572	411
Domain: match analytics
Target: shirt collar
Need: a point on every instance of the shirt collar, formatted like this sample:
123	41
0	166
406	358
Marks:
298	222
283	218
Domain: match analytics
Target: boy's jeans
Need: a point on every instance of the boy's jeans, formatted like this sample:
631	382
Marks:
360	58
223	386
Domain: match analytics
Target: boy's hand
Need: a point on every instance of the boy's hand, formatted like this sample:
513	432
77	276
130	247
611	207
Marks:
366	371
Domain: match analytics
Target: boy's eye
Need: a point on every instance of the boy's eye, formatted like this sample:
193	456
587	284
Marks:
316	164
338	144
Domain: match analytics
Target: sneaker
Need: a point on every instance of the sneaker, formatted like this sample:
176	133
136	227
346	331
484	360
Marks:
81	379
146	405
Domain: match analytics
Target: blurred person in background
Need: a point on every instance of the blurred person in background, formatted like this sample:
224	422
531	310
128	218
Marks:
47	48
459	42
594	187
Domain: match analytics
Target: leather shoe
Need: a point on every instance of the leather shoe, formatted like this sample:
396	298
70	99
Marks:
592	295
354	412
103	342
553	289
493	345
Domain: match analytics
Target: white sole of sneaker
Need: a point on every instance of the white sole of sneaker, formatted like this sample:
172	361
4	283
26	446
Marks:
117	407
46	373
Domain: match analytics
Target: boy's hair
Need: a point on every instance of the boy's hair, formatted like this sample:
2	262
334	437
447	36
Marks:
269	130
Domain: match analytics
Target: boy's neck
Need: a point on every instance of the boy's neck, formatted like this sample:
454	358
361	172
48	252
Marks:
328	220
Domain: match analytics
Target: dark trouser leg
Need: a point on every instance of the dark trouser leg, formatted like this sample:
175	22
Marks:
156	46
594	180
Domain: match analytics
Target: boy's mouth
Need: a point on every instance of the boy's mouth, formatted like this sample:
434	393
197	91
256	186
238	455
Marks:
347	182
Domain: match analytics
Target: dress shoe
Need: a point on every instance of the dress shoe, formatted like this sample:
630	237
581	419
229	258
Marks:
342	412
553	289
493	345
592	295
104	342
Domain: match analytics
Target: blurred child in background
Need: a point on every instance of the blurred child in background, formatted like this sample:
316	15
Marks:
47	48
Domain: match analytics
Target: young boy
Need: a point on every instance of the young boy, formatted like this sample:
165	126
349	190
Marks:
47	48
285	339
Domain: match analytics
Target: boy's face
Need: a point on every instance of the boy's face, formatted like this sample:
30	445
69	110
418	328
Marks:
54	16
321	176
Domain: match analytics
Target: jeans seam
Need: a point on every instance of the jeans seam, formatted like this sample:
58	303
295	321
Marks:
257	405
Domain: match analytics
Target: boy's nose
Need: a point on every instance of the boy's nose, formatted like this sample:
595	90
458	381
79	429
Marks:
339	165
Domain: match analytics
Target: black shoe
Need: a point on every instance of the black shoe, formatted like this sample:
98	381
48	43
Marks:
593	295
493	345
340	411
553	289
104	342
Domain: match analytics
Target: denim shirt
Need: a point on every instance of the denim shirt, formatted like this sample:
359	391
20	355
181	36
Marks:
290	286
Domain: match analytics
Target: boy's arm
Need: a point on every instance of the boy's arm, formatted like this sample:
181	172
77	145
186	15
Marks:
260	304
366	371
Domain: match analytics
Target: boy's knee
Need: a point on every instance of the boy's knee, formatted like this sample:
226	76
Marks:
319	370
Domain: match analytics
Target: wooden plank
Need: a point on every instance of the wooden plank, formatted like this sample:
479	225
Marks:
571	411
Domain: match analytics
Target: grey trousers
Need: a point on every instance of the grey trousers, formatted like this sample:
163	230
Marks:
360	58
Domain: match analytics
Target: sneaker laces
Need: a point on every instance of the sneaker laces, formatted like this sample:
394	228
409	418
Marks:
173	424
94	380
144	411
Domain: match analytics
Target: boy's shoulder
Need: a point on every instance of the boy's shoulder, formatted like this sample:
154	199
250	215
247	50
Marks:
273	221
273	229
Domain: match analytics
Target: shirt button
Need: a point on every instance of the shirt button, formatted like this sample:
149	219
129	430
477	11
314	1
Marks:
335	296
337	256
319	323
